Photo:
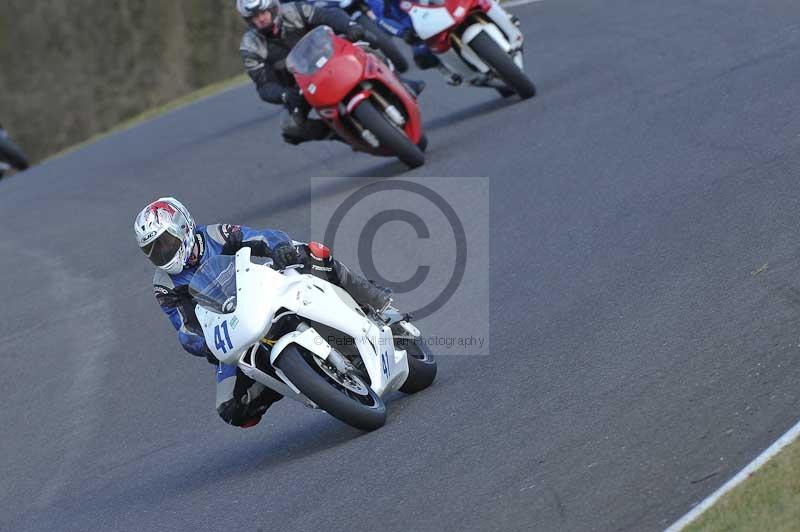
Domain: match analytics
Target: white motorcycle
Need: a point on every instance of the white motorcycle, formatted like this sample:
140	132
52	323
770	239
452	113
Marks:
477	41
307	339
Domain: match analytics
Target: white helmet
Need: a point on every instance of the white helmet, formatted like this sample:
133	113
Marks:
165	233
250	8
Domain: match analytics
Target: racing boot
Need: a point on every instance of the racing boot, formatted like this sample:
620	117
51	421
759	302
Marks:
365	293
424	58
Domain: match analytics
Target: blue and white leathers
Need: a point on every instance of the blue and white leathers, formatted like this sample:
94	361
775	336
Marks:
172	291
239	401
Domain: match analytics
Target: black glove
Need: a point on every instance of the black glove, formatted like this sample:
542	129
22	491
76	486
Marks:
293	100
371	38
355	32
284	254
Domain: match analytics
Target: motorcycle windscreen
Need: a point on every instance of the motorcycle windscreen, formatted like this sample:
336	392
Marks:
213	285
311	52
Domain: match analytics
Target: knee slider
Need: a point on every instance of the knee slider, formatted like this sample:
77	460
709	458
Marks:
232	413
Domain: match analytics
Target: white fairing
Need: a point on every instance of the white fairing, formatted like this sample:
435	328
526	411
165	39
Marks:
469	35
261	292
429	21
500	16
324	303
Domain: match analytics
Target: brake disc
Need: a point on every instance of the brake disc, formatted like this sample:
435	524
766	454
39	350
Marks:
349	381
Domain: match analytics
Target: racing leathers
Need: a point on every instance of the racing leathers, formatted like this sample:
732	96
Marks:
397	23
264	59
240	400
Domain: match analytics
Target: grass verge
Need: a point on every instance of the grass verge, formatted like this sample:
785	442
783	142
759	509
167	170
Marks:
768	500
199	94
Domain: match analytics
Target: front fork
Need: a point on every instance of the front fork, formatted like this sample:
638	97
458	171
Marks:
456	68
249	366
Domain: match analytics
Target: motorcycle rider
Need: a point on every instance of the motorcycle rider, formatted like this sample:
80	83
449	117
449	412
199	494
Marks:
166	233
273	30
397	23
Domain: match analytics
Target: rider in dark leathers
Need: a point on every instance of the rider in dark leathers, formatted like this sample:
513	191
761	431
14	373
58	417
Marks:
397	23
273	31
167	234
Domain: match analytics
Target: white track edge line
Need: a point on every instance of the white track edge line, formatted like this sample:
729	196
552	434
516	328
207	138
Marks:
789	437
515	3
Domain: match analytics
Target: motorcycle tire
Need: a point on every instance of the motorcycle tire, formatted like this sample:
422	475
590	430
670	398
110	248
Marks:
321	389
385	44
503	65
421	364
389	136
423	143
12	154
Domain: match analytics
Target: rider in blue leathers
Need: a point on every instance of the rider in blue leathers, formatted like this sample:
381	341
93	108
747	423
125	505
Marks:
396	22
166	233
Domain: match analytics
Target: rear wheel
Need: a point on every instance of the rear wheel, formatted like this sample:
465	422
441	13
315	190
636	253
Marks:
421	364
389	136
345	397
385	44
503	65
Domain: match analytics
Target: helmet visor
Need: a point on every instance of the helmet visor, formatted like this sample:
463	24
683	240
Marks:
163	249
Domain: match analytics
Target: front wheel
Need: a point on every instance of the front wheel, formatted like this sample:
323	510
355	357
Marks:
345	397
389	136
505	67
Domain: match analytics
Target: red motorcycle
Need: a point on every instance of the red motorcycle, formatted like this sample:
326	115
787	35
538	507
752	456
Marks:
358	96
477	42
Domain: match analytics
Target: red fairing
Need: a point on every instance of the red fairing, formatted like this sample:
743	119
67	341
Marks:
343	71
440	42
319	251
378	71
468	5
337	87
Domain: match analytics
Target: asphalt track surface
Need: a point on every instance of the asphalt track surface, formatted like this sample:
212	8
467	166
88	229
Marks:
640	352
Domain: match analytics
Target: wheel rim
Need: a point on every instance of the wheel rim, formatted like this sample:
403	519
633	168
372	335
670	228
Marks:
350	382
369	399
